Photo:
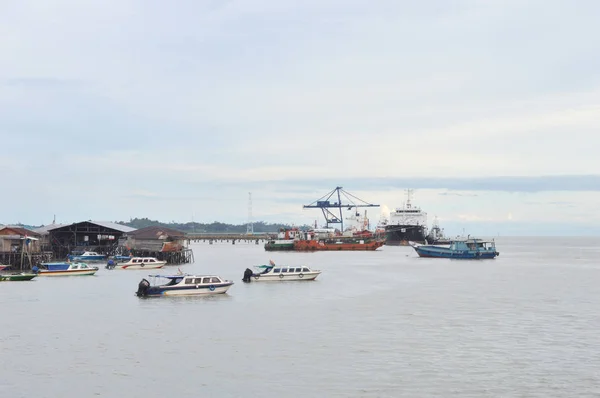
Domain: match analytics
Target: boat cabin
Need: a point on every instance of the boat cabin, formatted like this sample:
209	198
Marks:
142	260
283	269
473	244
191	280
79	266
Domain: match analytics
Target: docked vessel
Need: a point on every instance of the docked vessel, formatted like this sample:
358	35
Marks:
339	243
330	239
469	248
406	224
3	266
22	276
183	285
86	256
436	235
274	272
66	268
284	241
137	263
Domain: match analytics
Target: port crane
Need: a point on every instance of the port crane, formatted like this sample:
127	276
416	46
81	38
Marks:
333	211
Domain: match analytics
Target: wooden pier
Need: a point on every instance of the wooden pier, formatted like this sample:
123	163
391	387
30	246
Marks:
227	237
184	256
24	261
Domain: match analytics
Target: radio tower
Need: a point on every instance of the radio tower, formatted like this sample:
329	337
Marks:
249	226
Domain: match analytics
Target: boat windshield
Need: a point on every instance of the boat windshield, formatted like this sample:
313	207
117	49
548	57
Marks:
174	281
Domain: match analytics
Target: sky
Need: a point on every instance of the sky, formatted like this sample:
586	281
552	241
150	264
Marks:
176	111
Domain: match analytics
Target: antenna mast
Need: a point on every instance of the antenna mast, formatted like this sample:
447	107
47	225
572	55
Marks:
249	226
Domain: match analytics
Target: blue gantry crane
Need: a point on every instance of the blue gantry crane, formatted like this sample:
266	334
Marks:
333	216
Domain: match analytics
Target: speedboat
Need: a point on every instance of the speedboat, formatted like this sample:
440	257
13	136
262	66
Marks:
274	272
87	256
183	285
138	263
66	268
467	248
22	276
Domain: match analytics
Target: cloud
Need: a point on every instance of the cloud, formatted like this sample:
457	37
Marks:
193	106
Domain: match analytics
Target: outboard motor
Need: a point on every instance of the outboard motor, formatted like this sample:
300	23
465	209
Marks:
143	288
247	275
110	264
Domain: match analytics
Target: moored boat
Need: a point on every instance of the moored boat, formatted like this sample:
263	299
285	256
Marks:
66	268
469	248
137	263
284	241
338	243
87	256
274	272
23	276
183	285
3	266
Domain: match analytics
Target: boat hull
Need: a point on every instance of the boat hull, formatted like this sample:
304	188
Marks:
68	272
444	252
306	276
217	288
17	277
314	245
400	235
279	245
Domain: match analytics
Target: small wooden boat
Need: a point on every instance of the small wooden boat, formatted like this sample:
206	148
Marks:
138	263
17	277
66	269
183	285
469	248
274	272
87	256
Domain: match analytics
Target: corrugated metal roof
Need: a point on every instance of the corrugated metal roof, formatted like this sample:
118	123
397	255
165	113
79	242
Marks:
156	232
46	228
112	225
21	231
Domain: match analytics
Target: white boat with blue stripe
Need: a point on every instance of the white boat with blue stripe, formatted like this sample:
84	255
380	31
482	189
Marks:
274	272
183	285
86	256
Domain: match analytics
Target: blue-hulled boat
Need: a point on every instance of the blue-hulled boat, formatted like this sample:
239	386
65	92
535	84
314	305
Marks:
87	256
469	248
65	268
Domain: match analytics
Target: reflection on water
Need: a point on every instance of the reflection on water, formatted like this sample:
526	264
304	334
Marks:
373	324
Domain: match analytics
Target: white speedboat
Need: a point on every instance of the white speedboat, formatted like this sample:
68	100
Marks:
183	285
86	256
63	269
274	272
138	263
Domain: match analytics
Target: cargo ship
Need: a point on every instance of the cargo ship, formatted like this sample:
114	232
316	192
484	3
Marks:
405	224
324	239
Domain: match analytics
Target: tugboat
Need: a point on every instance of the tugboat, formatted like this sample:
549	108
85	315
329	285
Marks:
469	248
285	240
406	224
436	235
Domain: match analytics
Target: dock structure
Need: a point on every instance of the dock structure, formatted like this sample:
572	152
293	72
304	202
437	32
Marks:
165	244
232	238
20	248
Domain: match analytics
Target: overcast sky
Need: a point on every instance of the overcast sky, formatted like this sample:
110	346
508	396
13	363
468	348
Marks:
111	109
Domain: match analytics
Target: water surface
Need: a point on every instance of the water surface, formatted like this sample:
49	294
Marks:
374	324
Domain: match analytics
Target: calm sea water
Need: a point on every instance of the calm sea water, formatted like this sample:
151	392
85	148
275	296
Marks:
374	324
